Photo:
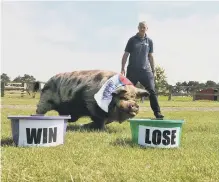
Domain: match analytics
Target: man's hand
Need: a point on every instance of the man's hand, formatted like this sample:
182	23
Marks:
153	71
123	72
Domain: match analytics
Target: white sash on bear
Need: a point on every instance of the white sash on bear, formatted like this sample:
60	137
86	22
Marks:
104	96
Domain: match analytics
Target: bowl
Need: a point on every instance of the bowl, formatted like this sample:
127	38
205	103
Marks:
156	133
38	130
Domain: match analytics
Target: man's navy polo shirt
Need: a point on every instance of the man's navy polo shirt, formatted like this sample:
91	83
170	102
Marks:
139	48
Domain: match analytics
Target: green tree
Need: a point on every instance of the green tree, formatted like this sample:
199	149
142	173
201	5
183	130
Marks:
201	85
210	83
5	78
177	88
184	86
192	86
18	79
25	78
161	84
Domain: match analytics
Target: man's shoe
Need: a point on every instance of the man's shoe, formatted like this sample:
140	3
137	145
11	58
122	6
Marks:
158	115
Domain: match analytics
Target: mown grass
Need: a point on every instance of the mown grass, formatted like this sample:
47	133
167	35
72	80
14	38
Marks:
112	156
175	102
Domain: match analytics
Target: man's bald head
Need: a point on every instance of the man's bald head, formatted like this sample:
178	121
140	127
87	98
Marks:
142	23
142	27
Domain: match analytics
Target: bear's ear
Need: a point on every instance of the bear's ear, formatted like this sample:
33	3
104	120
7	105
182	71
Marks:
141	93
119	90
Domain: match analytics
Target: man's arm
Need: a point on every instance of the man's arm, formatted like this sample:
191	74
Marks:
124	60
151	57
128	49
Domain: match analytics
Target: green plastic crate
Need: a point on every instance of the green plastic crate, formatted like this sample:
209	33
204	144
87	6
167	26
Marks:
156	133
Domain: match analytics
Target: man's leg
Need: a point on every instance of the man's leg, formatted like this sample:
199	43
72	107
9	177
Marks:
147	80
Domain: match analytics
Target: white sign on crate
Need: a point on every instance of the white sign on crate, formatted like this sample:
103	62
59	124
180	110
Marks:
41	132
158	137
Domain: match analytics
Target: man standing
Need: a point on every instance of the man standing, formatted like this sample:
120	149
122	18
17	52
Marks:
141	68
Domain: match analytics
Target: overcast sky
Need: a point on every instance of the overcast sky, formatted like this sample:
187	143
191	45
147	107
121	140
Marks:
45	38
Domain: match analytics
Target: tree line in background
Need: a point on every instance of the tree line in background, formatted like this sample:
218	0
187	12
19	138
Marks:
19	79
161	83
189	87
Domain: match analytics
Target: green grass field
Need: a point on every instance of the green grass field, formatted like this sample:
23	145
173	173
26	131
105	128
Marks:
175	102
111	155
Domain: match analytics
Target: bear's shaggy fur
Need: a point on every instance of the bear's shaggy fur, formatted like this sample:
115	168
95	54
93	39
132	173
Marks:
72	93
